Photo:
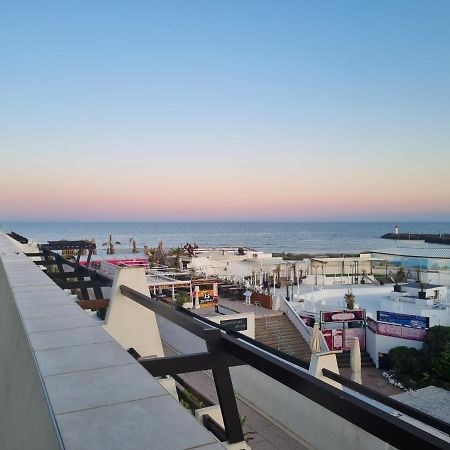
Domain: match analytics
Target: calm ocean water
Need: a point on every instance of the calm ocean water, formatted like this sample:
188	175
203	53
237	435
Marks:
301	237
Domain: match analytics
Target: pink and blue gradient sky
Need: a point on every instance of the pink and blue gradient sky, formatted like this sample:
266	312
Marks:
198	110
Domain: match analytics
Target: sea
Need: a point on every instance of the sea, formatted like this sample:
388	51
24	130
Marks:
316	238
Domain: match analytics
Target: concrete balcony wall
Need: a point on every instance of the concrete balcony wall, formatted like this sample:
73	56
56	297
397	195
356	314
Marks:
313	424
65	383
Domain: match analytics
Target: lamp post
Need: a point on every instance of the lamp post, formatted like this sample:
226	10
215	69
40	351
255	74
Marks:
289	283
323	272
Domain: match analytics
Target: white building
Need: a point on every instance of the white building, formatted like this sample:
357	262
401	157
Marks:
325	271
232	264
393	318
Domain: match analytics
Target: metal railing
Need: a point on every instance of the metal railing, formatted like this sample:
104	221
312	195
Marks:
227	348
257	307
282	342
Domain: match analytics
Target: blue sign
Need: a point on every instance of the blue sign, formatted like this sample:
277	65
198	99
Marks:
405	320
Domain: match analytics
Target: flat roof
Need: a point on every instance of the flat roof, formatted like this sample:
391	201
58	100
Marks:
431	400
325	259
157	280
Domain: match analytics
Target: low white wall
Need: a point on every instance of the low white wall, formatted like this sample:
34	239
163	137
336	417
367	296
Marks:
371	346
441	278
377	343
298	322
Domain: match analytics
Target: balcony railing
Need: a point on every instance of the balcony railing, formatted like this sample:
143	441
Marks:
226	348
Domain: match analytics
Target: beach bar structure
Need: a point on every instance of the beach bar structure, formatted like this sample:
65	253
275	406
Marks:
431	265
343	269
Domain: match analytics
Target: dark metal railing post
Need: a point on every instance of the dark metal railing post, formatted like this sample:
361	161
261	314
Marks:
224	388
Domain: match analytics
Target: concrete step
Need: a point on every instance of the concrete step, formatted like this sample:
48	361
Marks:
343	359
290	341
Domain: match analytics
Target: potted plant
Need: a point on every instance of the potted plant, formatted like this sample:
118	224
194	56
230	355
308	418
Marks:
350	299
399	277
422	293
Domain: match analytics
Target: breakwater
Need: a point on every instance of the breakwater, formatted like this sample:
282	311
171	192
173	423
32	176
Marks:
440	238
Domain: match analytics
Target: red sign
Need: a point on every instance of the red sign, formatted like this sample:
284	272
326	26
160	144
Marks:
337	339
309	320
343	316
334	339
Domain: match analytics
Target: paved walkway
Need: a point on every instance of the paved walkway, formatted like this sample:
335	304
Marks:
265	435
373	379
242	307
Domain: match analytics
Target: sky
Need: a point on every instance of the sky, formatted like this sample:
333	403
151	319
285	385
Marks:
225	110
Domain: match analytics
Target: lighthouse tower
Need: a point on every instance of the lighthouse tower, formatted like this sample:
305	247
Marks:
396	229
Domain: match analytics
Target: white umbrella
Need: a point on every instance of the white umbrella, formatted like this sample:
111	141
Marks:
355	361
315	339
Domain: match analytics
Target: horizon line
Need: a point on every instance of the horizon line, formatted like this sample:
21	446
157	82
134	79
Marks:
278	220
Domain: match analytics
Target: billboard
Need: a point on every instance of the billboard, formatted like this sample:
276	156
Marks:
398	331
404	320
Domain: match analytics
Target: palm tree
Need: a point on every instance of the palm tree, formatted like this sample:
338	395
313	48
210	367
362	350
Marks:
178	252
133	247
400	276
109	246
151	254
160	253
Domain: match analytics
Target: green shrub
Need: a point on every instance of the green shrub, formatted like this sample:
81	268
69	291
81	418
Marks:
436	350
400	276
407	364
182	298
429	366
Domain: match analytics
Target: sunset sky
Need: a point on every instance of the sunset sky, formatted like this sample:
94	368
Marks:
225	110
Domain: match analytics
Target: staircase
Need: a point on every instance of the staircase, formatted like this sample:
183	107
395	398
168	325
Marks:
279	333
343	359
